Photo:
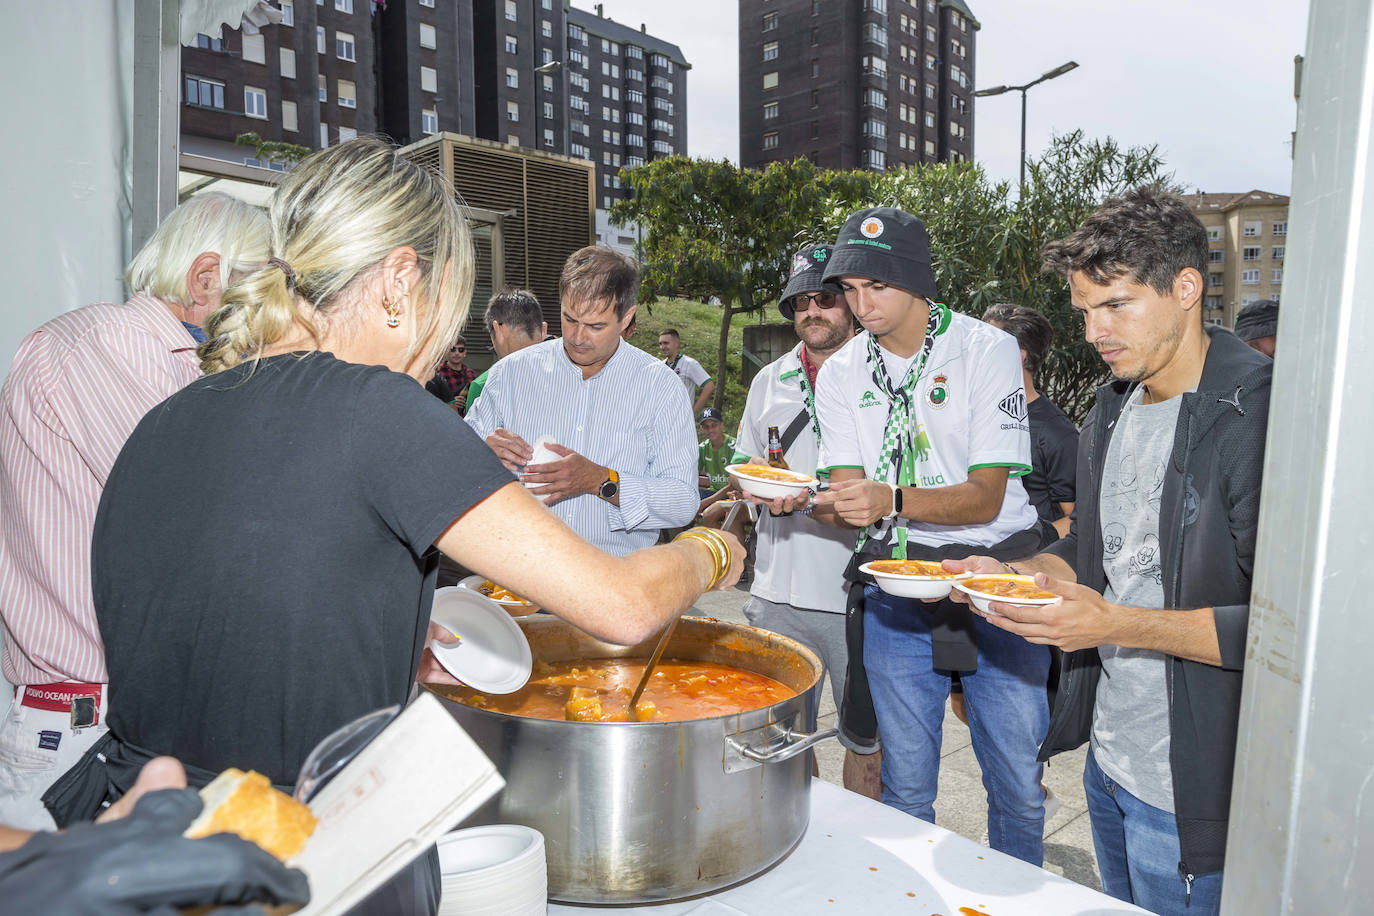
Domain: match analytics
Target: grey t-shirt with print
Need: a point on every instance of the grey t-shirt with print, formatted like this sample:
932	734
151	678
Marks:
1130	735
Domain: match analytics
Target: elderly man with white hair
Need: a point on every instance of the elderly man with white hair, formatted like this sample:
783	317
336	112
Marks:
77	387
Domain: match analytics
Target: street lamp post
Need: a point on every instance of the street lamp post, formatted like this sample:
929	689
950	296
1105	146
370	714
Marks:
549	69
998	90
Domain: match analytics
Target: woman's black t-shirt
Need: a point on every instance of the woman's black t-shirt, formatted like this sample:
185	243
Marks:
262	560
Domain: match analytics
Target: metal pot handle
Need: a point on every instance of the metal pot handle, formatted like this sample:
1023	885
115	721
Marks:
769	744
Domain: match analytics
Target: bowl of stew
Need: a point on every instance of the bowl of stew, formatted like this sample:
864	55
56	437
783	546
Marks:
767	482
513	603
1009	589
924	579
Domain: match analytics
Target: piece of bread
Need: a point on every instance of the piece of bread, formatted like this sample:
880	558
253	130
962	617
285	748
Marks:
247	805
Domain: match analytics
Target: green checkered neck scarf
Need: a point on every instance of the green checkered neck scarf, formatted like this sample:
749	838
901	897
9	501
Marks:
897	463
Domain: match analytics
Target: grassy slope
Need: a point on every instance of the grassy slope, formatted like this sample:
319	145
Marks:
699	326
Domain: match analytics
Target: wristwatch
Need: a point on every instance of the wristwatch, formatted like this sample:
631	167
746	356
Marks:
610	486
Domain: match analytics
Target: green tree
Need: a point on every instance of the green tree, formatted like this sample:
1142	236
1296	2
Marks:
714	229
288	154
985	245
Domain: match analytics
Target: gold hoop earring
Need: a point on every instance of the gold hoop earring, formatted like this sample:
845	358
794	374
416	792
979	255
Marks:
393	313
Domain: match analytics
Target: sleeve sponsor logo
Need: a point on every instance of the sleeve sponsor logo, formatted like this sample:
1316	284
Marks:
1014	405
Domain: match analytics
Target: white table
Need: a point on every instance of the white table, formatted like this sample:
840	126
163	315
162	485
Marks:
859	856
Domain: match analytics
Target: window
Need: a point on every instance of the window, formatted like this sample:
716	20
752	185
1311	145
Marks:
254	49
770	50
1276	275
578	149
324	135
513	139
344	6
770	139
1215	233
875	159
1214	280
930	61
815	36
634	51
815	98
632	73
930	147
930	34
254	102
347	133
930	7
634	96
634	117
428	3
957	47
510	10
428	37
815	130
1251	253
875	33
547	82
548	110
548	137
815	69
512	111
874	64
288	12
875	128
770	111
203	92
770	80
575	33
1281	229
1278	252
1252	228
1213	303
288	63
930	119
875	98
815	7
1216	256
343	46
770	21
321	42
208	43
930	91
512	45
429	121
512	78
288	117
323	87
429	79
347	94
1249	277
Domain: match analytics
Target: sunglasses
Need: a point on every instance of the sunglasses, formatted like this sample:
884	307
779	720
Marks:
457	349
822	299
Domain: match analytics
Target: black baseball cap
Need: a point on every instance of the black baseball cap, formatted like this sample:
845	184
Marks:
1258	319
887	245
806	274
710	413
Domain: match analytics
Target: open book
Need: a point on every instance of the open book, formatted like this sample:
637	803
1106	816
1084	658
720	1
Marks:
414	782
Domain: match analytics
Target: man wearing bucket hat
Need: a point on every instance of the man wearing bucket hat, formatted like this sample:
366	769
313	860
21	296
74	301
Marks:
799	588
924	434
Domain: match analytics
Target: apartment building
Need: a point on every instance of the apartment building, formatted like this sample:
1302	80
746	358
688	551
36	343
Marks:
307	81
1247	234
873	84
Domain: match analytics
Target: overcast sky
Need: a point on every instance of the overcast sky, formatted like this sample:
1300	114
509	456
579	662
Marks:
1209	81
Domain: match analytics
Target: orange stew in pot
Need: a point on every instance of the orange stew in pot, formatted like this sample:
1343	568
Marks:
598	690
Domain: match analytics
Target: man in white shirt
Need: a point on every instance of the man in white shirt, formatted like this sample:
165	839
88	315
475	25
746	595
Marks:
624	451
924	434
694	376
799	589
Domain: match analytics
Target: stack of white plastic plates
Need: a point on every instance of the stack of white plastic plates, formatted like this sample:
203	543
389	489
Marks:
497	870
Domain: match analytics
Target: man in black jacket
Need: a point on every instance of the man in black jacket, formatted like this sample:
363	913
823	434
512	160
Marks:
1155	571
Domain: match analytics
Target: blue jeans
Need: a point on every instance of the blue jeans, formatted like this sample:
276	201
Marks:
1008	715
1137	851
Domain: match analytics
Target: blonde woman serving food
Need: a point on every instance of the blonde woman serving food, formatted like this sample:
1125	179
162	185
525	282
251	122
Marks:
264	556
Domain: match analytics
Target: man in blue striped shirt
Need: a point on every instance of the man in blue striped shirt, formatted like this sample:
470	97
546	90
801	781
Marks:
614	416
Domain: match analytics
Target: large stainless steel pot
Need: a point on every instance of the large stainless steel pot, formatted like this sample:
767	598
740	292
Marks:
645	811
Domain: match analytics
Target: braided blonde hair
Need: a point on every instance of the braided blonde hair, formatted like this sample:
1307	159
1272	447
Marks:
335	216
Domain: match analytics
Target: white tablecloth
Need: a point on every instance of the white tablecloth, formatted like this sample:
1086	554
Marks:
859	856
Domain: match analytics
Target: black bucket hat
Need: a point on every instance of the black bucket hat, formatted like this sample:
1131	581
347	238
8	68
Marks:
887	245
805	274
1258	319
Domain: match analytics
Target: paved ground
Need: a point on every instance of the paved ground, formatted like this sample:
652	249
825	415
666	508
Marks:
962	802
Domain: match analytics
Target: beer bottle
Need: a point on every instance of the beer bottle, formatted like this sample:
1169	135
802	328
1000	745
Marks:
775	458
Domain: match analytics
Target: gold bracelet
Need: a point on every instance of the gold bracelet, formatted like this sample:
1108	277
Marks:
716	535
720	557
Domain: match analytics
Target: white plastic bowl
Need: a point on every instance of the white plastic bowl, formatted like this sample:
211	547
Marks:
982	600
770	489
514	608
923	587
492	654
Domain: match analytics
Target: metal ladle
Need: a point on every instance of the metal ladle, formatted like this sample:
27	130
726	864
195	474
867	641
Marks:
633	714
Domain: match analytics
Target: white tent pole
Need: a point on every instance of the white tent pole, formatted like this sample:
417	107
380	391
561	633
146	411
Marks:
1302	809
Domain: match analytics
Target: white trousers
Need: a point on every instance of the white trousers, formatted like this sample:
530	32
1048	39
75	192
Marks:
36	747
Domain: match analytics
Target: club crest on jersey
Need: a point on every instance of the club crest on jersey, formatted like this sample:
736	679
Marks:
938	393
871	228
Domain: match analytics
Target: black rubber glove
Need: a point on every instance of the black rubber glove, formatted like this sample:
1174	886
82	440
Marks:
142	864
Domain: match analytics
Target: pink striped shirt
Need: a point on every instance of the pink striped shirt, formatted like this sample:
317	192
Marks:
76	390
